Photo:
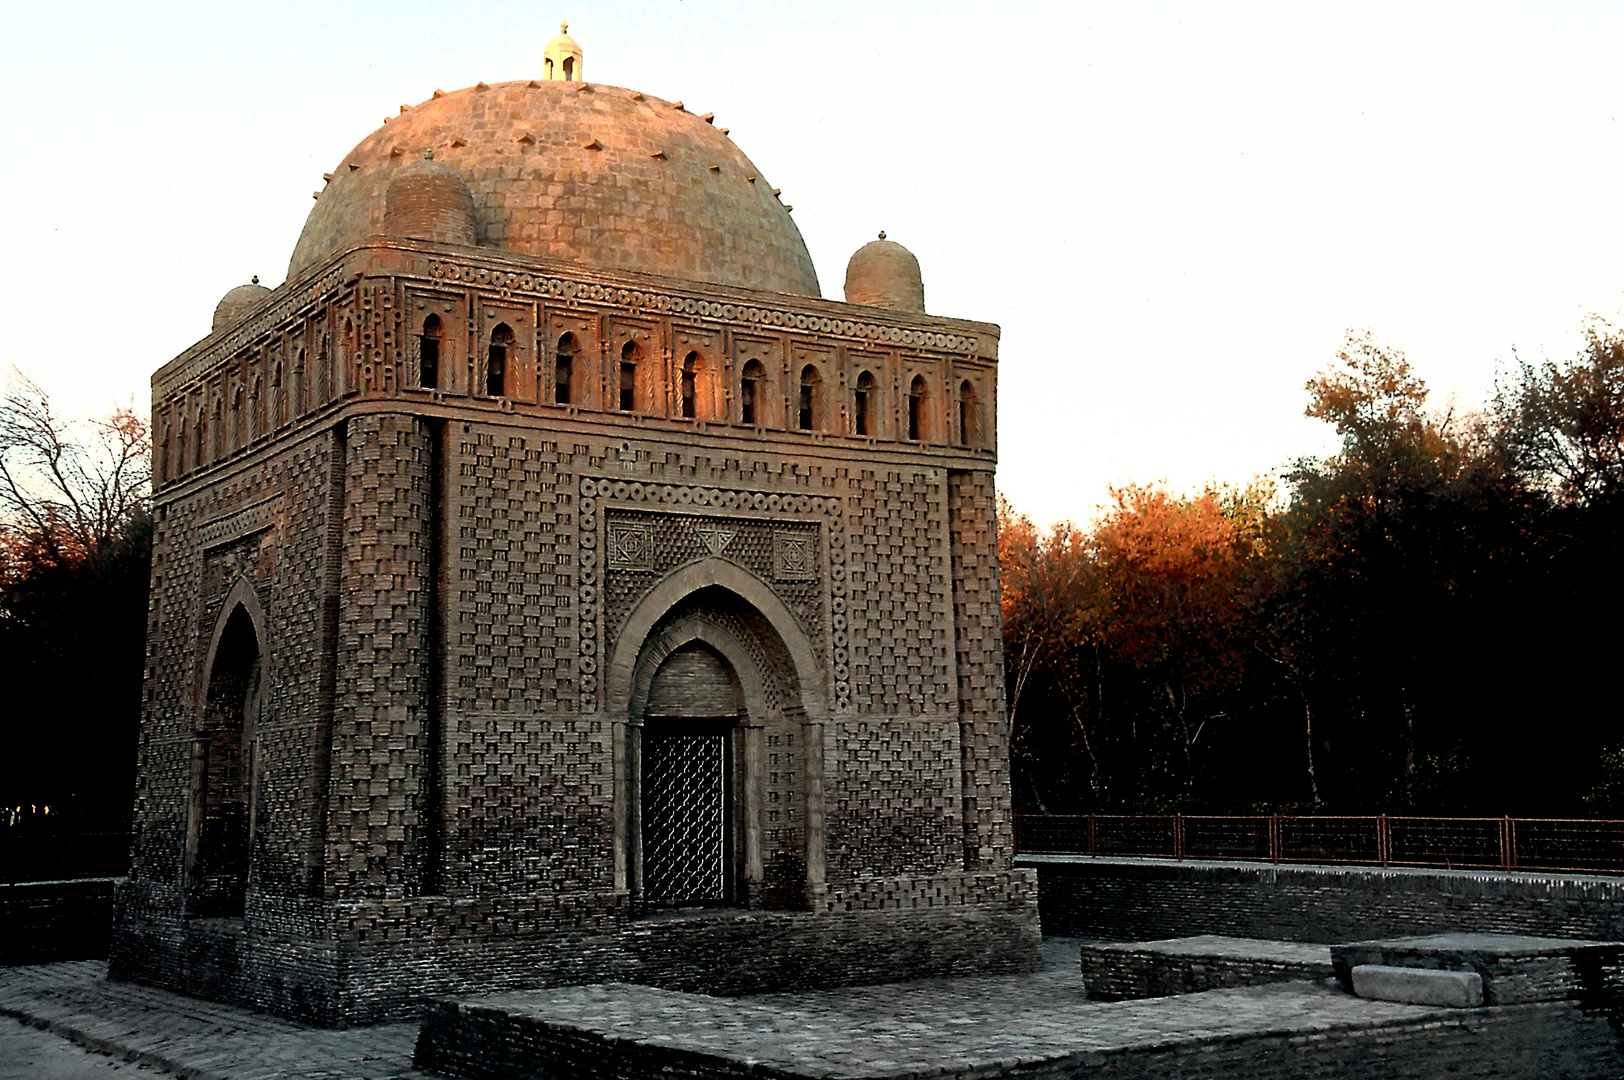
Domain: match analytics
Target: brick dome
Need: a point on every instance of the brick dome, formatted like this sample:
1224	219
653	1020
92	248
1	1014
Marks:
235	304
883	273
582	172
428	200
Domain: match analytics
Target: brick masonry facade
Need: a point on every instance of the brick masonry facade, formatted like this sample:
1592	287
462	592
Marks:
404	642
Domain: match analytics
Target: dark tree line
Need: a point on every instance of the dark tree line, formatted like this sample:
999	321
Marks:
75	551
1424	621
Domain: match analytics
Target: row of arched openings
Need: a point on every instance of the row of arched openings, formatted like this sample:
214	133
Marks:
203	428
697	399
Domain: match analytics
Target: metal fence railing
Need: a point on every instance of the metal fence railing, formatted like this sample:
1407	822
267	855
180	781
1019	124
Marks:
1373	840
51	856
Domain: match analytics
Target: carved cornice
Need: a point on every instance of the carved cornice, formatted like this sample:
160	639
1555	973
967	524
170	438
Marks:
240	523
660	302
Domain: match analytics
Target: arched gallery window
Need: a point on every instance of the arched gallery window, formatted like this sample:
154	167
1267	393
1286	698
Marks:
499	361
862	410
690	386
341	359
806	415
324	380
630	355
428	354
917	403
969	415
750	392
564	370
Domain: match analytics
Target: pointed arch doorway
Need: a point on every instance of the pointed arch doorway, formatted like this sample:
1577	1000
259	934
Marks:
711	663
224	766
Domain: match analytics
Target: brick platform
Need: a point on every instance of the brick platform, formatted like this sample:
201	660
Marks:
1038	1025
1114	971
1515	969
1032	1027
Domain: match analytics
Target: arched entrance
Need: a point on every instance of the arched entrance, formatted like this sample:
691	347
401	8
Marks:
719	724
690	780
220	837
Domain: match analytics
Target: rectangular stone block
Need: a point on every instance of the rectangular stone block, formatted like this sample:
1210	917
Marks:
1419	986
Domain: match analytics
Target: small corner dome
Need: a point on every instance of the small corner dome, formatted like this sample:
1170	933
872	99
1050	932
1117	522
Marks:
236	303
429	200
885	274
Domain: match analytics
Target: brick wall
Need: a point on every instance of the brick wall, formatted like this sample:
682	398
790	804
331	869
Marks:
1142	900
42	922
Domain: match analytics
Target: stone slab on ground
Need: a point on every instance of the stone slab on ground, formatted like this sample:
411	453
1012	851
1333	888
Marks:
1419	986
1121	970
196	1039
1515	968
1036	1027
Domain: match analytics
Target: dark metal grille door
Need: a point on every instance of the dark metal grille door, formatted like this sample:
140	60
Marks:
684	817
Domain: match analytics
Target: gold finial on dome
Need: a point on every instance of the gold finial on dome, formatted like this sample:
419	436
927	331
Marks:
561	59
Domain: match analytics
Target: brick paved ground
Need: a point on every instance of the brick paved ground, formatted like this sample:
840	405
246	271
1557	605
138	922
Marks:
939	1025
194	1039
28	1053
926	1028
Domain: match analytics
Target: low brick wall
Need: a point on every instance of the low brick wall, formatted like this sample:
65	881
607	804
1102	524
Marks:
42	922
1115	899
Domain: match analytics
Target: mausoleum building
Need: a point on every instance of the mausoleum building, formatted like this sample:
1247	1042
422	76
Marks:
549	586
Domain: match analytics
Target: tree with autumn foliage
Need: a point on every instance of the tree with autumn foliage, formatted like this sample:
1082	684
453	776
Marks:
1127	643
1420	621
1179	581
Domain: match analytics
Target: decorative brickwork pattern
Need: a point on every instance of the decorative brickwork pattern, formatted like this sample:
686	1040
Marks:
379	738
979	633
674	539
902	630
895	809
530	799
509	572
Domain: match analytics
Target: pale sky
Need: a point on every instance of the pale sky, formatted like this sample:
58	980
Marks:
1174	211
